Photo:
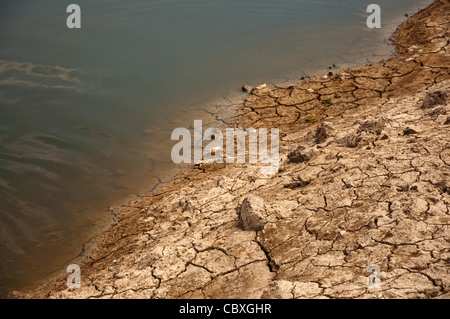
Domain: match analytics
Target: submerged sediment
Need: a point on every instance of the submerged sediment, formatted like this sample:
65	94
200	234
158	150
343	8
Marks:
372	188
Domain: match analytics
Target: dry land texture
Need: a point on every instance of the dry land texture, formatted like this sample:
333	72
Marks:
364	179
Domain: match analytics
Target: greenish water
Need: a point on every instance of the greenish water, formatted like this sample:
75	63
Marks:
86	115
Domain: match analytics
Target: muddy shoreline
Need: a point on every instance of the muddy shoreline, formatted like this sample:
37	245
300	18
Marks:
370	184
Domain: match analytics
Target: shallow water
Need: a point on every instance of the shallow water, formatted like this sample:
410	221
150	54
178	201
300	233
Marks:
86	115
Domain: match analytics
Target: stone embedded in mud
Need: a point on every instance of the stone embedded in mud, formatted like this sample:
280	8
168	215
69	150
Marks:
252	213
372	127
351	141
435	98
436	112
409	131
246	88
299	184
322	133
301	154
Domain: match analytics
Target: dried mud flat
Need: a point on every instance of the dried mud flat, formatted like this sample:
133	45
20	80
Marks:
364	179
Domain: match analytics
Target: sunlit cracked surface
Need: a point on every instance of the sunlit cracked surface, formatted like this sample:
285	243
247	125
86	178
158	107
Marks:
374	190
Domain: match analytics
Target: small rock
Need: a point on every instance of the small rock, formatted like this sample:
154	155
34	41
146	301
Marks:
300	154
447	122
436	112
310	90
372	127
322	133
246	88
252	213
299	184
261	87
351	141
409	131
434	99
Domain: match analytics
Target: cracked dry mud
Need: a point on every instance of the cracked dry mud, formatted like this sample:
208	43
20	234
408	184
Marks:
374	189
